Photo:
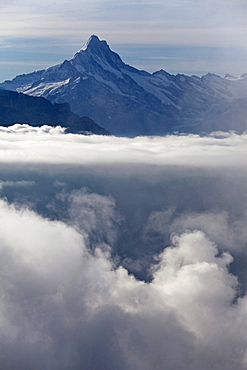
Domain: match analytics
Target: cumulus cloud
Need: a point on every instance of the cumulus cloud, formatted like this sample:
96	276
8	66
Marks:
26	129
122	253
64	307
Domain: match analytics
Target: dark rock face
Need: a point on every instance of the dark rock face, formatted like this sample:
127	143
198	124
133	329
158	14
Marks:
36	111
126	101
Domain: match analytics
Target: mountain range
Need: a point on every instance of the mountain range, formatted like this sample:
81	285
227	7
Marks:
129	102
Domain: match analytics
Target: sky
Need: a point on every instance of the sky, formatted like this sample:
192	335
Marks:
180	36
122	253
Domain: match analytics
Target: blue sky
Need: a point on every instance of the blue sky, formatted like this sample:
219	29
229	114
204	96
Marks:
180	36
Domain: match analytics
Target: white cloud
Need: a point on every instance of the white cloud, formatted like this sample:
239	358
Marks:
103	204
94	215
25	144
75	308
218	226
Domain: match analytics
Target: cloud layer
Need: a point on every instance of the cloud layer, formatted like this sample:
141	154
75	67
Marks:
122	253
25	144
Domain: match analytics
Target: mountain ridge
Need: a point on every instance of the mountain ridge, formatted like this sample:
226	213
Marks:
37	111
129	102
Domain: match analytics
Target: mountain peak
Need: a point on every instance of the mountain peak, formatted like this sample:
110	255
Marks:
94	43
96	51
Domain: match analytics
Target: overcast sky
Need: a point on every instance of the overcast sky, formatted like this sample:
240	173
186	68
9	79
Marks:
180	36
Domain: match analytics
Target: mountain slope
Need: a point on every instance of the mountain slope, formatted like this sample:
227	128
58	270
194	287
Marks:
20	108
127	101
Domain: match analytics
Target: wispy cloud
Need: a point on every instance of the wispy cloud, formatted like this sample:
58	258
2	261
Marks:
181	23
27	63
165	58
162	25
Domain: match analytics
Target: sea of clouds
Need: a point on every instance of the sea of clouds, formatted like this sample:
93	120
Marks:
122	253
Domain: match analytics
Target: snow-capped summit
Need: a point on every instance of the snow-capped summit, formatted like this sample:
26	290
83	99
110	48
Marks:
95	55
127	101
94	42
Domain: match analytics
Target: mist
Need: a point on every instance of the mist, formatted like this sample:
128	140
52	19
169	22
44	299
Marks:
122	253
